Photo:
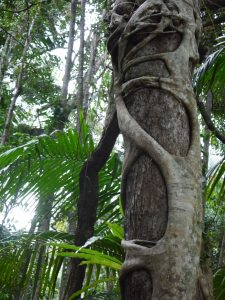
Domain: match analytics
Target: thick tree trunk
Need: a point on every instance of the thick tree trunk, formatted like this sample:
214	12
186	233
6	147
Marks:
153	46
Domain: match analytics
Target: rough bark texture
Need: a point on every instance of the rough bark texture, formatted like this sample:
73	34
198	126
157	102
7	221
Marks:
153	45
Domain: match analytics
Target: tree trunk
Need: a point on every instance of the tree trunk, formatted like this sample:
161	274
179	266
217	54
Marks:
154	48
90	72
206	140
62	118
88	200
9	117
80	81
19	291
45	207
67	262
222	251
4	61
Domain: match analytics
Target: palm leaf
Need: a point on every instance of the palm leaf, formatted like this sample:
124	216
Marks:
219	284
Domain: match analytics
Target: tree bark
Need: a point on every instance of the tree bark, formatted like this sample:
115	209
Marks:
153	45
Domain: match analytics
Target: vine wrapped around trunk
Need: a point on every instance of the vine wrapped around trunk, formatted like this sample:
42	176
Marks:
153	45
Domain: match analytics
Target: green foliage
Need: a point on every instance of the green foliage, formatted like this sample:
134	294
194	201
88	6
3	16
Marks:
33	172
104	257
209	77
218	284
19	261
214	211
42	173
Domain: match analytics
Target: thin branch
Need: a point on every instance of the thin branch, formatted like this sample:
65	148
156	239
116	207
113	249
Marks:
28	18
27	7
207	118
7	32
214	22
88	199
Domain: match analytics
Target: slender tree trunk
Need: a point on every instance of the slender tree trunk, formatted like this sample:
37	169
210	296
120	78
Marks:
9	117
67	263
65	110
90	72
154	48
206	139
4	63
80	81
24	267
68	67
222	252
45	207
88	200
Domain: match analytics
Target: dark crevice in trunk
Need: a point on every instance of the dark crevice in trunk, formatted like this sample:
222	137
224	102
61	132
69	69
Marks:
146	195
145	205
135	279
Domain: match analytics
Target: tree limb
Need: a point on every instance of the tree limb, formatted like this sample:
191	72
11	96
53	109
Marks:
214	22
88	200
209	122
8	33
27	7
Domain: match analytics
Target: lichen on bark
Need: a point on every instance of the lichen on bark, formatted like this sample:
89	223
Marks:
153	45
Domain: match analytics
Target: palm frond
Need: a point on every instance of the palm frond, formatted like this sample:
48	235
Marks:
210	75
216	182
49	167
219	284
103	257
